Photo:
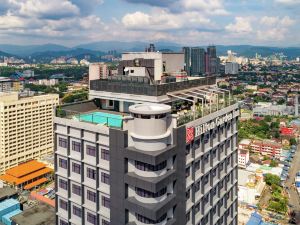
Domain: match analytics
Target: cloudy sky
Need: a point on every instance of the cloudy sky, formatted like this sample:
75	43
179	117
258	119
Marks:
193	22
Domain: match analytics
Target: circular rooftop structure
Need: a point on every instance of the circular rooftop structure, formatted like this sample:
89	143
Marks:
150	109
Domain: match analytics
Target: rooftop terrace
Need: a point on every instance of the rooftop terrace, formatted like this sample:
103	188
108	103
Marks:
187	105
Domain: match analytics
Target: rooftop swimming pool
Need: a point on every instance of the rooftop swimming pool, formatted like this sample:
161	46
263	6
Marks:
107	119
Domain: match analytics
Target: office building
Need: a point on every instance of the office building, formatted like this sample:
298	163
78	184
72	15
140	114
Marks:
163	154
197	61
232	68
98	71
187	60
26	128
212	60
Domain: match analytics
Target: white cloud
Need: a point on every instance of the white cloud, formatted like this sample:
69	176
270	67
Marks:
288	2
276	21
242	25
48	9
163	20
214	7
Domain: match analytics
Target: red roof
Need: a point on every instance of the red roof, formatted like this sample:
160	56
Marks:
286	131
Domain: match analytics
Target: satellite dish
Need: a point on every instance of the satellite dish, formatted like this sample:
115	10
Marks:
126	70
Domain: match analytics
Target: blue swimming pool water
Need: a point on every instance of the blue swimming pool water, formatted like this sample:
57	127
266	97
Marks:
111	120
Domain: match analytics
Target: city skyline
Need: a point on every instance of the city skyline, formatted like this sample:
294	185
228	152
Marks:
194	22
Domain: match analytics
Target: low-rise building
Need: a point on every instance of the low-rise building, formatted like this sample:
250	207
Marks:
269	109
27	175
266	147
243	158
250	187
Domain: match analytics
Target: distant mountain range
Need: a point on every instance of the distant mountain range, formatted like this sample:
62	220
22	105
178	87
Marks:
45	53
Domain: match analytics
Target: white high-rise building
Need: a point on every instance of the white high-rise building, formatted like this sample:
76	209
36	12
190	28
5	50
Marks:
26	128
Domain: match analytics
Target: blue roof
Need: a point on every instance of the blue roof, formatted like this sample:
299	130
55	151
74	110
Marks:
255	219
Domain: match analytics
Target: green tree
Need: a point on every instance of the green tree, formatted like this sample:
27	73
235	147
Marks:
268	118
272	179
273	163
293	141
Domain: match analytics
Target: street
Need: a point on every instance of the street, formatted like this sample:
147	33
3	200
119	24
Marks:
294	200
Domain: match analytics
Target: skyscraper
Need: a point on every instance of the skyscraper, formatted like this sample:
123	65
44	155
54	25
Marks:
187	60
197	61
213	67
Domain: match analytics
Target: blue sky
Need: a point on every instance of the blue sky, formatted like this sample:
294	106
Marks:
187	22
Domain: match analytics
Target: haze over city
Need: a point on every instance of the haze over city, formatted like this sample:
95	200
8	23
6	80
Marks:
194	22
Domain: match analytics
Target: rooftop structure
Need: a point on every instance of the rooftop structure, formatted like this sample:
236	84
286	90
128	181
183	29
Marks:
41	214
27	175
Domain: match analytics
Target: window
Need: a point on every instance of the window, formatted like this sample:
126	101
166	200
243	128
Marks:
146	220
62	142
63	184
91	173
148	167
63	204
105	154
104	178
63	222
91	218
63	163
187	217
188	194
76	189
91	150
147	117
147	194
105	201
197	208
187	172
206	138
91	196
76	146
105	222
197	165
187	149
197	186
76	211
76	168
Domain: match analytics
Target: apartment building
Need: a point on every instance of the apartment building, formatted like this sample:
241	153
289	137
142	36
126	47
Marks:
26	128
165	158
264	147
98	71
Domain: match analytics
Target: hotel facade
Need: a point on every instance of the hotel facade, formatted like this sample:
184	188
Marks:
26	128
147	153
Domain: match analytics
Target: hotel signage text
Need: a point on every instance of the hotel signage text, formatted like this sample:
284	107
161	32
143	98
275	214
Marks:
203	128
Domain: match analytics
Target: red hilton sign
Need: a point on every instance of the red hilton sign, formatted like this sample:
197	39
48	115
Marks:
190	134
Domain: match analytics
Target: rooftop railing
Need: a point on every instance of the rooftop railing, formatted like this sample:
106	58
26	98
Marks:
140	88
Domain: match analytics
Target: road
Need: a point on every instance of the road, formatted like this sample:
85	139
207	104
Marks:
294	199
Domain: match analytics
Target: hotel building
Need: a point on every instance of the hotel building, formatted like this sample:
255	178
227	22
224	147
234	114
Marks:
142	151
26	128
